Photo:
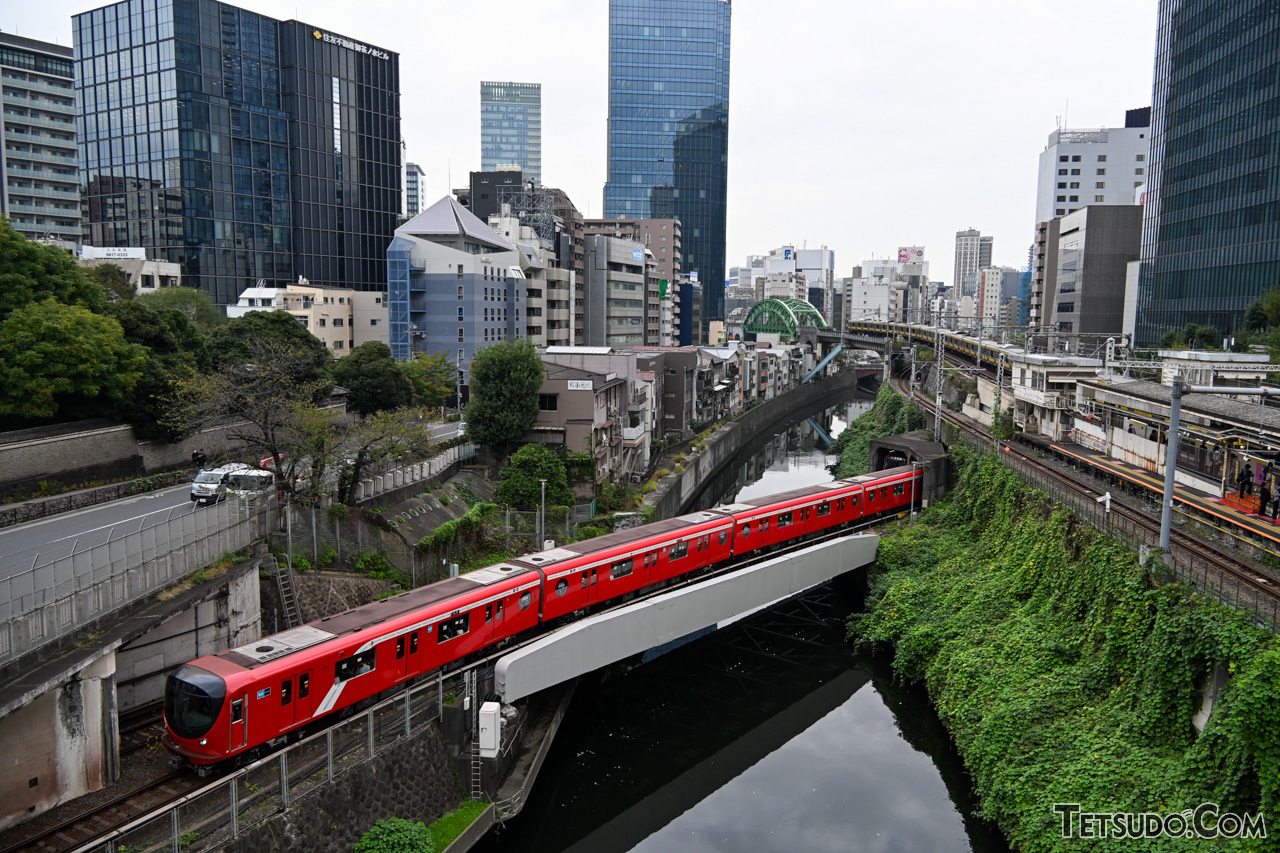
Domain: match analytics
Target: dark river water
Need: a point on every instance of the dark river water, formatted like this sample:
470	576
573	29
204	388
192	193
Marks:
768	735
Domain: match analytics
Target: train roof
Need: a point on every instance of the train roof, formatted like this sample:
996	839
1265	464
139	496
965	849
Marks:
623	537
279	645
783	497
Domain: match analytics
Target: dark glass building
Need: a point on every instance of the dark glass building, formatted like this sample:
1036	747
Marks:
241	147
669	127
1211	226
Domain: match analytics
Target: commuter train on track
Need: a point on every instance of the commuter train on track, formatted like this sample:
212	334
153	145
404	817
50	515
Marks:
239	703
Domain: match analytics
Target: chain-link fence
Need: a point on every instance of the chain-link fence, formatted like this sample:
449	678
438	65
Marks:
1193	569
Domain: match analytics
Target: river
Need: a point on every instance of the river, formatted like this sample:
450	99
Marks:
768	735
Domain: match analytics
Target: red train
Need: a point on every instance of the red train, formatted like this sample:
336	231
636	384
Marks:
245	700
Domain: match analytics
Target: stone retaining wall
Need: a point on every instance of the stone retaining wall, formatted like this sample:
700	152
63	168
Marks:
414	781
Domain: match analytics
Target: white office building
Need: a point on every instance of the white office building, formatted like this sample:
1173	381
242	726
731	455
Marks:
1103	165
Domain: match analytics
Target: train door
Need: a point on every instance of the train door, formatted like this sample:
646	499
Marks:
402	658
239	735
415	659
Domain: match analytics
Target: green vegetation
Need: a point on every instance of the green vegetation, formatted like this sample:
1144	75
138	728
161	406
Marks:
433	378
1065	672
445	830
373	379
518	483
396	835
891	415
505	378
451	532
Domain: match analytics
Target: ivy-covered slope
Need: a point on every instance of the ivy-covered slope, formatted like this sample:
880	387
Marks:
1066	674
891	415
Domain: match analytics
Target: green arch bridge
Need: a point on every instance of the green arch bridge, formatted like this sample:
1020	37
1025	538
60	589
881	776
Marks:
782	317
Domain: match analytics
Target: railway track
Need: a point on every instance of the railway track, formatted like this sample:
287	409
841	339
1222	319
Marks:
1243	574
103	818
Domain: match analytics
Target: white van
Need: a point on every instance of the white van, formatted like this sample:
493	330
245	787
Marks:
211	486
251	484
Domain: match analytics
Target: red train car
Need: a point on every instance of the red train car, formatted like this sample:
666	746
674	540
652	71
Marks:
611	566
237	702
225	705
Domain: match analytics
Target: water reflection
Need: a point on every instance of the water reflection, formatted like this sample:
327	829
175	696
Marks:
797	457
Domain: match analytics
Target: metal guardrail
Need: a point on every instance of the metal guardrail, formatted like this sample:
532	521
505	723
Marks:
221	811
37	509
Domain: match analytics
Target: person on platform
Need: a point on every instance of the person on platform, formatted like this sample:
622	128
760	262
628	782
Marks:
1245	480
1264	498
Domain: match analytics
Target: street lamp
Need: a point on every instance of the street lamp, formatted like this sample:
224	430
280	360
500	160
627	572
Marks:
542	516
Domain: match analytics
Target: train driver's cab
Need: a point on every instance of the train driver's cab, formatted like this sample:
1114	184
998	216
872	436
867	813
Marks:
193	698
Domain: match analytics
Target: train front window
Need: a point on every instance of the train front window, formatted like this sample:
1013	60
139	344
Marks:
192	699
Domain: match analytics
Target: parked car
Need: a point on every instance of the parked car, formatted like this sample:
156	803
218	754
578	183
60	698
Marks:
211	486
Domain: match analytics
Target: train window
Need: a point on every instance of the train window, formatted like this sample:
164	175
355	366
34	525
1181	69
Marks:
286	691
455	627
678	550
348	668
584	580
304	684
413	643
746	529
764	525
498	609
562	586
526	599
724	534
399	647
840	504
825	509
899	488
784	519
699	548
237	710
871	495
620	569
488	613
853	501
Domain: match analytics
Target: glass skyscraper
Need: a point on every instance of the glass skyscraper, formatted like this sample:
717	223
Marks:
511	127
669	126
241	147
1211	226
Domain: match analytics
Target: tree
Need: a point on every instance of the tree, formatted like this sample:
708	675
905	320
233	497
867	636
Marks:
1271	306
505	378
192	302
396	835
432	376
32	272
1255	317
518	484
175	351
261	400
373	379
380	438
113	280
235	342
54	357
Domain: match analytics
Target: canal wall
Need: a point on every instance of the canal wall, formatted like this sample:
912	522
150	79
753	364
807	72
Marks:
711	469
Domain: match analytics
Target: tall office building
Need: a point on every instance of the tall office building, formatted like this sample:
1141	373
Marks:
669	127
973	253
1092	167
39	191
241	147
1211	225
413	178
511	128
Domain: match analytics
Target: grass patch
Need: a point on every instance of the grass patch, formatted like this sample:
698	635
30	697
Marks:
448	828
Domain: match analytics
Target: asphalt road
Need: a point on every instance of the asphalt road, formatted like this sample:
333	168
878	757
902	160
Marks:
49	539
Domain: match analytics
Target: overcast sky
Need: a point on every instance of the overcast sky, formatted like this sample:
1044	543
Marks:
862	125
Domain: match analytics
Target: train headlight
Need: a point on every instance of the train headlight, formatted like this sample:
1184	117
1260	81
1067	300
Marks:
204	741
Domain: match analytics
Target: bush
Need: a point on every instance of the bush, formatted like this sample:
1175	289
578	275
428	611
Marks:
679	469
648	487
396	835
662	472
301	564
444	500
680	457
328	556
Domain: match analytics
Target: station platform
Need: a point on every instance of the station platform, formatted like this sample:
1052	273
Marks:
1231	515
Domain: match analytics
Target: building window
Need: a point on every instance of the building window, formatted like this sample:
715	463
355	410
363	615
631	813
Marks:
322	322
548	402
375	322
1074	198
1066	307
460	334
1075	171
459	291
1062	171
1102	171
1062	198
1100	185
1062	185
1075	158
459	314
1140	157
1102	158
1059	212
337	321
1075	185
1099	198
1139	171
1062	158
337	344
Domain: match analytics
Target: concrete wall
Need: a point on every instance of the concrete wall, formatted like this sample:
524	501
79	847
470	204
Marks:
676	494
61	746
229	616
